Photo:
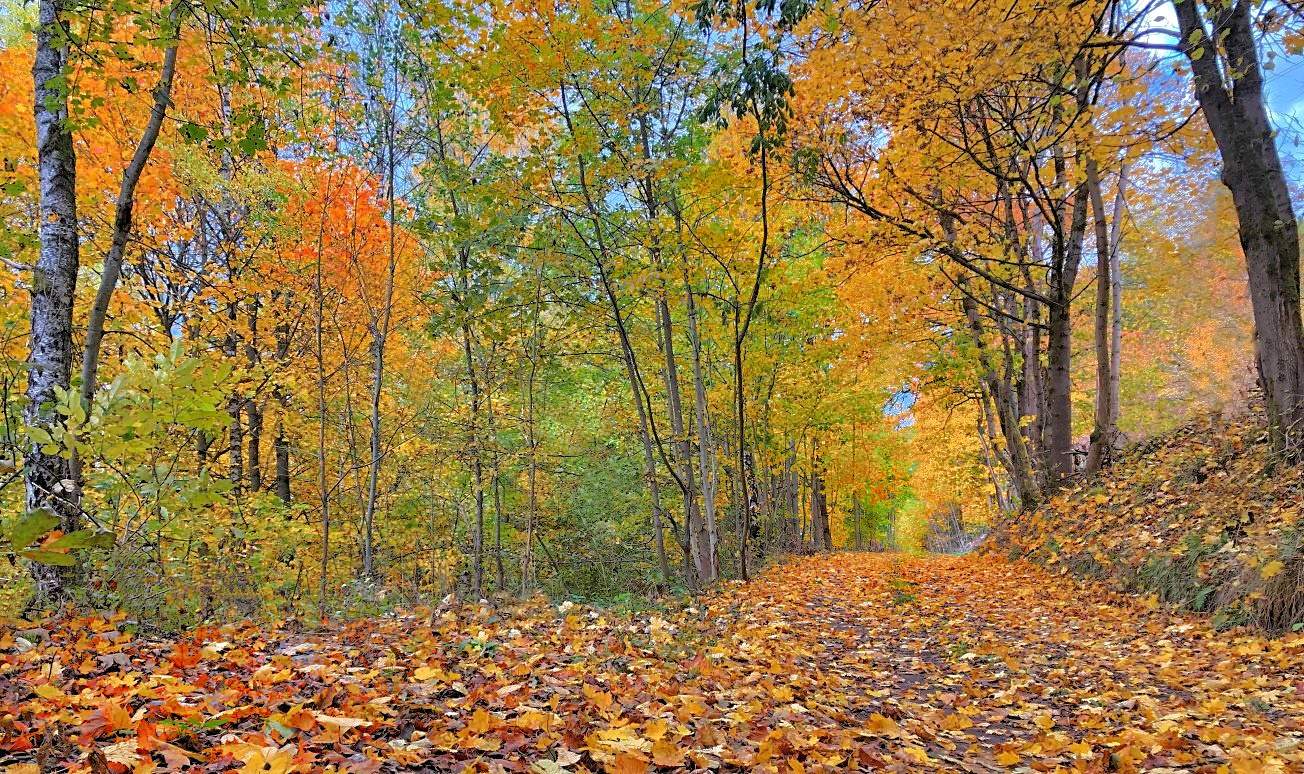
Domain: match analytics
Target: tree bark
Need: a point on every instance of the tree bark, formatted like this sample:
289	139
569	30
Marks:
54	285
477	465
705	446
1116	302
1066	255
1102	435
531	440
819	504
255	413
281	443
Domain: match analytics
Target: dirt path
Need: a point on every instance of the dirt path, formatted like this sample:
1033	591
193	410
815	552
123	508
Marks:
854	661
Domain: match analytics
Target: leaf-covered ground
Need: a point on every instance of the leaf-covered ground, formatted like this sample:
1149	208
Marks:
851	661
1200	518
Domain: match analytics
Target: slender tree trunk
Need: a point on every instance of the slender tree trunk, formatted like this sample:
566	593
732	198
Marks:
252	409
281	450
54	284
495	480
254	444
122	218
281	443
1116	302
705	447
1032	396
1001	392
532	442
1102	435
645	436
819	504
477	467
379	338
323	488
985	440
235	408
1237	116
699	540
791	487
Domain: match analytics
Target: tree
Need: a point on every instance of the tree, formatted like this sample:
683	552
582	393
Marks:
1218	40
47	474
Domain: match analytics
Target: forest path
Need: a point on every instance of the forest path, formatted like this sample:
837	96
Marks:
986	664
848	661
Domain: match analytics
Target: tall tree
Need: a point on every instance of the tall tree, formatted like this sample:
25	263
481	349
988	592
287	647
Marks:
1218	40
46	473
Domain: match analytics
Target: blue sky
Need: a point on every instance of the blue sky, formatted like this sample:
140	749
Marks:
1285	87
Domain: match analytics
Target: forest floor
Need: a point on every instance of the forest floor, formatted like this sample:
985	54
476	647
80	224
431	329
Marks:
849	661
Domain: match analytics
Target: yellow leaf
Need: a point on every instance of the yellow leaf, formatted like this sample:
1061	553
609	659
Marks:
602	699
340	722
480	721
667	753
881	724
428	673
1008	759
1271	569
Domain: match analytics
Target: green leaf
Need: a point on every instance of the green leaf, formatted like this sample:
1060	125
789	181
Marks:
30	527
194	133
49	557
83	538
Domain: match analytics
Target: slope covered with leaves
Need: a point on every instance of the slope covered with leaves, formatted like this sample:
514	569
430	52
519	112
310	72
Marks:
845	661
1200	518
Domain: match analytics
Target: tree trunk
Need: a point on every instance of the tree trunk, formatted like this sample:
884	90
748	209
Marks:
255	413
281	450
705	447
254	445
323	490
1066	254
699	540
1102	435
235	408
532	442
122	217
1116	302
54	284
1016	458
495	481
477	466
819	504
379	337
280	443
1269	232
